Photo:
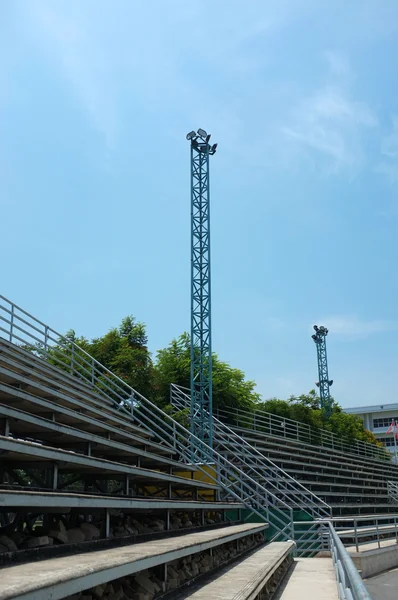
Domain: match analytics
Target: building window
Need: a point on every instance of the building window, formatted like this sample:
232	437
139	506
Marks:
387	441
384	422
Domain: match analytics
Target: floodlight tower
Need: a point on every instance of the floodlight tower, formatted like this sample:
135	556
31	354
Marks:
201	354
324	382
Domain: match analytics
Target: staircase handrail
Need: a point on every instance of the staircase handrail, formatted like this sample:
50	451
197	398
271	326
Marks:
392	491
318	507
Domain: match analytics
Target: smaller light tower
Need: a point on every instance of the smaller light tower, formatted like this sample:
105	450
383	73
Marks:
324	382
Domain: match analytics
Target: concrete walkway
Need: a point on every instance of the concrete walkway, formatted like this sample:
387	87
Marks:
245	579
383	587
310	579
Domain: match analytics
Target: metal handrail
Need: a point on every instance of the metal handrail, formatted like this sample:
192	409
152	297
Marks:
259	420
316	537
392	490
349	581
356	530
261	468
44	342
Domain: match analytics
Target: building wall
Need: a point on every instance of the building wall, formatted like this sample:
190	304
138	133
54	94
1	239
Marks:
377	419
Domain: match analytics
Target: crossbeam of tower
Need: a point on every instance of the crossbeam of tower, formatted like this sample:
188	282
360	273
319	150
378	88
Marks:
324	382
201	413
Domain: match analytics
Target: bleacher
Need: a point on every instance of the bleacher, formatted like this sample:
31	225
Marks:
100	496
103	495
351	483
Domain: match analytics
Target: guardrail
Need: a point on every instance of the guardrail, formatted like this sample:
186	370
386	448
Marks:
358	531
353	531
312	537
264	422
38	338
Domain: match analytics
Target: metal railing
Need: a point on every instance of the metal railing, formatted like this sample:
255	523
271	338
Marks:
251	461
264	422
312	537
349	581
355	532
32	335
365	530
392	490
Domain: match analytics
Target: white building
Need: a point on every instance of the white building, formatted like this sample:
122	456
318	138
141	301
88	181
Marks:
377	419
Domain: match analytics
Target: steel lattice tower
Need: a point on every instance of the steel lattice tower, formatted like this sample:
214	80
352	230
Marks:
201	352
324	382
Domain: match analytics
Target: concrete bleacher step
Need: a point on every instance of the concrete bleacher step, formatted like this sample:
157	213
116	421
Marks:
30	408
21	453
348	483
309	579
245	580
63	577
64	399
23	361
46	431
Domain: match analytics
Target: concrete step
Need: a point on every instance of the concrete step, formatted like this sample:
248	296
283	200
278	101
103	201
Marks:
245	580
62	577
309	579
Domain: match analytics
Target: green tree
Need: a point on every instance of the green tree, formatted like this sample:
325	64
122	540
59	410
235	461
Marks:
230	389
124	351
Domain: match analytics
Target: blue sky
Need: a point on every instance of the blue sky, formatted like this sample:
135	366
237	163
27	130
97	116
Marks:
302	98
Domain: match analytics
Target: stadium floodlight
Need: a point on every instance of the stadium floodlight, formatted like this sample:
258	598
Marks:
214	148
202	133
316	327
208	138
191	135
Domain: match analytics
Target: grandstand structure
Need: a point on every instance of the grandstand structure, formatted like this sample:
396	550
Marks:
104	495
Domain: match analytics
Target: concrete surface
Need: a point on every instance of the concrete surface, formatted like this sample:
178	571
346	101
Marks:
384	587
57	578
244	579
372	560
373	546
310	579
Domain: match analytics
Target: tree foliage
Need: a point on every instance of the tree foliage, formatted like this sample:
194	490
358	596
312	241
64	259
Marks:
230	388
124	351
306	409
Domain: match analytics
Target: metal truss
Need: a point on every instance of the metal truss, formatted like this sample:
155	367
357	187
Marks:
324	382
201	351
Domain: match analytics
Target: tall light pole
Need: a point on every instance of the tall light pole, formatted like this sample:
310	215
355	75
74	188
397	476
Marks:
324	382
201	352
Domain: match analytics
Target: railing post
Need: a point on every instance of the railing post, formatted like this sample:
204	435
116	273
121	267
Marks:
72	361
378	533
12	322
356	534
45	340
92	372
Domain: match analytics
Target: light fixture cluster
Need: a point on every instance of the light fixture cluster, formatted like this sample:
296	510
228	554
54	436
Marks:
200	139
320	333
